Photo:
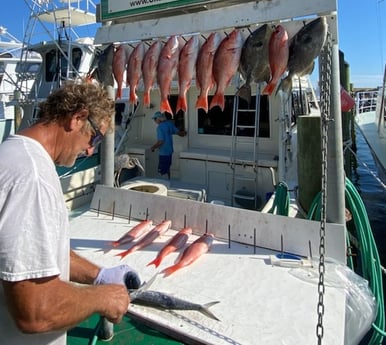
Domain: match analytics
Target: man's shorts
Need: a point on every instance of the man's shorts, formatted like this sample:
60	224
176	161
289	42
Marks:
164	164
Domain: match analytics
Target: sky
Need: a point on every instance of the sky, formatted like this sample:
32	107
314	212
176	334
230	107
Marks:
361	30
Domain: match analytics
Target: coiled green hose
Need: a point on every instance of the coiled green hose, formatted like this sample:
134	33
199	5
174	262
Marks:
281	202
369	259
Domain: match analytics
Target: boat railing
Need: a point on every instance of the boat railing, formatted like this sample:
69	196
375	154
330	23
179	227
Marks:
366	101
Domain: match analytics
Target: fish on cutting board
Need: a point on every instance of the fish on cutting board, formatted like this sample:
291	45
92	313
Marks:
177	242
134	233
191	253
148	239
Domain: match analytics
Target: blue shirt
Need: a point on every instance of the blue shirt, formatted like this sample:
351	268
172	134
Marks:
165	131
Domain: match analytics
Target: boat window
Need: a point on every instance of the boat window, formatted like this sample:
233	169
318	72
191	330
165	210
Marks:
55	66
220	122
179	119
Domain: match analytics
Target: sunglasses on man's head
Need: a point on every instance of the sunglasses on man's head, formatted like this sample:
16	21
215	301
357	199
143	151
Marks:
96	138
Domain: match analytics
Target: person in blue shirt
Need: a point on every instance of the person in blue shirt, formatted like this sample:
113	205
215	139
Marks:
165	131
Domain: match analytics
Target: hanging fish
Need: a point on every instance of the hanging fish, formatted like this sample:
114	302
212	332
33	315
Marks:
186	65
225	64
102	66
119	65
304	48
278	57
177	242
254	60
204	69
134	70
157	231
149	70
192	253
166	71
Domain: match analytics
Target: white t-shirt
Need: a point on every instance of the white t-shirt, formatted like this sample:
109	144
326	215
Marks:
34	227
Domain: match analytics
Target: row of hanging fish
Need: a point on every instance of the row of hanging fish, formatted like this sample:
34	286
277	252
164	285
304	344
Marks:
264	56
145	233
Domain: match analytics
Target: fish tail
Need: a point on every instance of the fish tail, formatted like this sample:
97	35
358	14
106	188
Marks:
218	100
268	89
170	270
165	106
146	99
119	93
156	262
202	103
205	310
124	253
181	104
133	96
245	92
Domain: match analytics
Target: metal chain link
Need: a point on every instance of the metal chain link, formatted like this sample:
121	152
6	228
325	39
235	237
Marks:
325	61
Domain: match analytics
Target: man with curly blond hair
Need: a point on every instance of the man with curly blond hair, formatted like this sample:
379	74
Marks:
38	299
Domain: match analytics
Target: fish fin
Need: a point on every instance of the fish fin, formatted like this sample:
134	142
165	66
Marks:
245	92
202	103
119	93
205	310
146	99
268	89
165	106
133	96
124	253
156	262
171	269
181	104
218	100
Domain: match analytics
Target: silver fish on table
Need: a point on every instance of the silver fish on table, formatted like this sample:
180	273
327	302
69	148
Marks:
254	60
305	47
160	300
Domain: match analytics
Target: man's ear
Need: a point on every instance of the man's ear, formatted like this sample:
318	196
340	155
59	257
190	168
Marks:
78	119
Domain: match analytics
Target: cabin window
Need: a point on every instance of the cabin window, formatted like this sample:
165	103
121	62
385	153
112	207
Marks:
179	119
55	66
220	122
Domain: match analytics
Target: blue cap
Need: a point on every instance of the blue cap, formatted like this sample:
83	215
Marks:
157	115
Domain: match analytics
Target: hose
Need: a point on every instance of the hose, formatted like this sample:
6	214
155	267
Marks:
370	264
281	200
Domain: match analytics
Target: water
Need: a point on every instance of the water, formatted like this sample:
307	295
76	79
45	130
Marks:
373	194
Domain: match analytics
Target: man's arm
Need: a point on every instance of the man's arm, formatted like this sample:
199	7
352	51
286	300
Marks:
50	304
82	270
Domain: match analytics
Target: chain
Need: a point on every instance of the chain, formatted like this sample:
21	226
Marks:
325	93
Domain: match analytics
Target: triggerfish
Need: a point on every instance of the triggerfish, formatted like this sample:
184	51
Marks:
191	253
157	231
177	242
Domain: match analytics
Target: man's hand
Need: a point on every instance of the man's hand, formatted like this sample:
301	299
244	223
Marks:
122	274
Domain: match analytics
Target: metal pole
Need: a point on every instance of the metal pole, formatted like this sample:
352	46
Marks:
107	150
335	172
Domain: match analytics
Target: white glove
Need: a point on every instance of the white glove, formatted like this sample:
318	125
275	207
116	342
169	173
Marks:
122	274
